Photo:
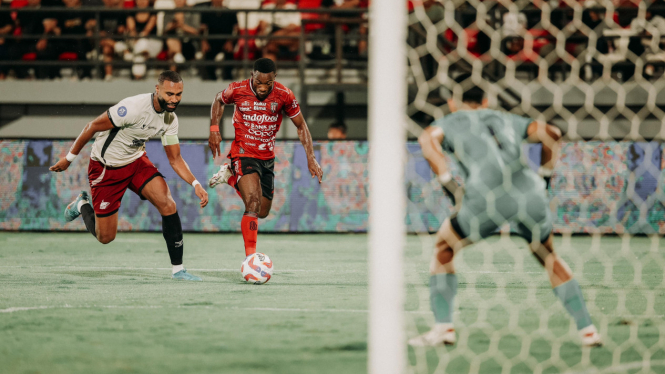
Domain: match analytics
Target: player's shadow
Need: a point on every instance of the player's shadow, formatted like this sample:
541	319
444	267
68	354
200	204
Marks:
226	276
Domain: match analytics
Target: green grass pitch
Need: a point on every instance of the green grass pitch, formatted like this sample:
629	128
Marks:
71	305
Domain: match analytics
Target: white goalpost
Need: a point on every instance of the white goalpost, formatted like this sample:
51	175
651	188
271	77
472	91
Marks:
387	137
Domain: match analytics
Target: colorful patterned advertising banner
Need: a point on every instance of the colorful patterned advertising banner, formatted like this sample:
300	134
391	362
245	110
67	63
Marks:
606	187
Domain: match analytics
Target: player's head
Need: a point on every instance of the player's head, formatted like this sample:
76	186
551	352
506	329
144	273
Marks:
263	77
473	96
169	90
337	130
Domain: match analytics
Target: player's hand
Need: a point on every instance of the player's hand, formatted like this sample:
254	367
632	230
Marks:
202	194
213	142
61	165
315	169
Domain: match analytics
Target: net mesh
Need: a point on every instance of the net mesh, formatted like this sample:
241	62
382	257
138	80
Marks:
595	70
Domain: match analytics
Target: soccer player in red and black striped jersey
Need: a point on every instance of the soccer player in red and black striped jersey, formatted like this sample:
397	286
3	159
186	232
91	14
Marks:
260	103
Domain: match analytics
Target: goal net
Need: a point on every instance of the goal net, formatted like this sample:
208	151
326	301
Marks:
594	69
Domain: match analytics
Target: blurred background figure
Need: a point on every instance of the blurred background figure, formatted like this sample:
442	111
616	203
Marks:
281	24
112	25
35	46
6	28
76	24
142	25
337	131
181	25
213	24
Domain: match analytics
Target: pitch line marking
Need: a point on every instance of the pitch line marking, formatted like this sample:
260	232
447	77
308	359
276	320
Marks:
619	368
297	310
223	270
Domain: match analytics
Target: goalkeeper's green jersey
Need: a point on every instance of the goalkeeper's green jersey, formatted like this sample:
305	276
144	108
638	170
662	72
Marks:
486	142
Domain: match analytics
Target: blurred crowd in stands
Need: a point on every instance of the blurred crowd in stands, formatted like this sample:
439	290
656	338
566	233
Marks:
596	33
214	31
209	30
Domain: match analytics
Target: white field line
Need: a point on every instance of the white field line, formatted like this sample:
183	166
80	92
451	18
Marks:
286	310
619	368
74	267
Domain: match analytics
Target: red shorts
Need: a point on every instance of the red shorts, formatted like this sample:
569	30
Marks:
109	184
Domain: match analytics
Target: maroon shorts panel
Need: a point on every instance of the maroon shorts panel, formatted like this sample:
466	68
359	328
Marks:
145	172
108	185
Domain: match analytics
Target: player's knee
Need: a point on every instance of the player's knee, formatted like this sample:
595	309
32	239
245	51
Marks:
444	253
168	207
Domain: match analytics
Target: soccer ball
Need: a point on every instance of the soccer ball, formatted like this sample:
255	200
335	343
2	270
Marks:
256	268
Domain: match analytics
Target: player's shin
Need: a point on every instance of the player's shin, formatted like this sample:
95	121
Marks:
88	215
172	231
571	296
443	288
250	230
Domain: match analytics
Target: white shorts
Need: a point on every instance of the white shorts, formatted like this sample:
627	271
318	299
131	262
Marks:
150	46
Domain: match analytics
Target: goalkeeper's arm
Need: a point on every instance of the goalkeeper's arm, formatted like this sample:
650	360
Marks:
549	136
430	142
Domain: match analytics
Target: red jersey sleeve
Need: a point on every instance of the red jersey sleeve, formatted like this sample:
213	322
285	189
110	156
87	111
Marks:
228	94
291	106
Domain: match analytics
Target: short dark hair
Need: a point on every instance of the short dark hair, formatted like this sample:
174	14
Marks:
339	126
169	75
472	94
265	65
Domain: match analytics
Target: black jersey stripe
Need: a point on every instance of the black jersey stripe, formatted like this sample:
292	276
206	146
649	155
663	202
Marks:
108	141
108	113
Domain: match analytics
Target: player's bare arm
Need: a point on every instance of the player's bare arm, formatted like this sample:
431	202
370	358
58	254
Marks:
306	140
182	169
549	136
216	112
99	124
430	143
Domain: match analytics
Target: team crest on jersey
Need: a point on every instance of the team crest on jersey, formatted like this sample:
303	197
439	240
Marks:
138	143
122	111
273	107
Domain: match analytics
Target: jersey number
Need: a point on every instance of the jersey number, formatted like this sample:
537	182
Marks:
270	145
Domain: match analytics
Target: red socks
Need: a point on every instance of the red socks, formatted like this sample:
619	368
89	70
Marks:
250	230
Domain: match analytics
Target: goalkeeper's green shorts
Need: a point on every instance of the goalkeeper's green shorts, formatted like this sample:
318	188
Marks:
522	202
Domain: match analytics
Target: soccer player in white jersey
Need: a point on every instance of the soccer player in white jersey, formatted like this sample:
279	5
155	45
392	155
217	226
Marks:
498	188
118	161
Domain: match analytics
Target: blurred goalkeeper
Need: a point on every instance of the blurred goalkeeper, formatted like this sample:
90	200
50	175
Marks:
498	188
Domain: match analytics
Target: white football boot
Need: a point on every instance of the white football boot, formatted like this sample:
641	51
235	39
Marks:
441	334
221	176
590	337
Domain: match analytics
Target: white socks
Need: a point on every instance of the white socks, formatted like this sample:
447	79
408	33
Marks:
80	204
177	268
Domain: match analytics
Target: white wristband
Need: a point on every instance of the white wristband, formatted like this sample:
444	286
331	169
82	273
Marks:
70	157
544	172
195	183
445	178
